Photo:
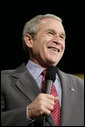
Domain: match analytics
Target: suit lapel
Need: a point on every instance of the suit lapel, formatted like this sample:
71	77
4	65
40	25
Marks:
27	85
68	92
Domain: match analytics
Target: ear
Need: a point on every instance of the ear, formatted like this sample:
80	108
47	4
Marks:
28	40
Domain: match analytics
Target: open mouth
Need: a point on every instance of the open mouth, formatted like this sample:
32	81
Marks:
54	49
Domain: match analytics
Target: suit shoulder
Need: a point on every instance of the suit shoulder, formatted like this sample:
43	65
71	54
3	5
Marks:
19	69
7	74
75	80
70	76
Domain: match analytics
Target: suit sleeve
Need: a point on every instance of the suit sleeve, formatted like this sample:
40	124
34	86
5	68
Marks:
12	117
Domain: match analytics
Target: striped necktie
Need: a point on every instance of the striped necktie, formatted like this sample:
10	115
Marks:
56	112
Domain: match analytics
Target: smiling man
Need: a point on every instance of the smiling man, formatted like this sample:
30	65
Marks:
23	102
47	47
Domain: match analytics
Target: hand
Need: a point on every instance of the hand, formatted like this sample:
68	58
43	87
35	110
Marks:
43	104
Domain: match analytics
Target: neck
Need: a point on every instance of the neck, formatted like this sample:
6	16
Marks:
42	64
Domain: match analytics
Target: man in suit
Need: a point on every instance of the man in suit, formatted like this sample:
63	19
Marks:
22	101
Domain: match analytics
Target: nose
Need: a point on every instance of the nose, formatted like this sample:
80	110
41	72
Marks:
59	41
56	38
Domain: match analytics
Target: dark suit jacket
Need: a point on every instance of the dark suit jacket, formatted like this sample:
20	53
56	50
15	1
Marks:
18	89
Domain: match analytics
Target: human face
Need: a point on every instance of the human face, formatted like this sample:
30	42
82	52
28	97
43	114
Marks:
49	43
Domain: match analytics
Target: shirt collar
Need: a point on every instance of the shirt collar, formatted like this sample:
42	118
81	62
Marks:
36	70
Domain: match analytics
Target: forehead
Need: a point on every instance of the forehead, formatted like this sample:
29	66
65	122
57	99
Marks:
49	23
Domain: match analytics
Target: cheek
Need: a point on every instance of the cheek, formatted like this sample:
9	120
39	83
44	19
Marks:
41	42
38	47
62	46
46	38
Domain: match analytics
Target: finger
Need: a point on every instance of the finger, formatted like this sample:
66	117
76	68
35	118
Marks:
56	98
49	96
46	111
51	102
50	107
52	99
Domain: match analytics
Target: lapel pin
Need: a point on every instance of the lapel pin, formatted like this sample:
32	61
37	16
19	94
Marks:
73	89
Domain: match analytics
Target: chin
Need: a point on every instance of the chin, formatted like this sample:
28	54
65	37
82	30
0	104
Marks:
52	63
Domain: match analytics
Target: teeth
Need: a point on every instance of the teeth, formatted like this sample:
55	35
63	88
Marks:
54	49
57	50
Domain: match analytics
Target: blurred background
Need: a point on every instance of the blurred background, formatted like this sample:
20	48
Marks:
13	17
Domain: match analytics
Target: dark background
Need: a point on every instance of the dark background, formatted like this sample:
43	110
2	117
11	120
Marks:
13	17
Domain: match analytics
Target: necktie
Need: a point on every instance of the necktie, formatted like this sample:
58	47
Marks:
56	111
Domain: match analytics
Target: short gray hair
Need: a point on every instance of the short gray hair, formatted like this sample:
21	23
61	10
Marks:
32	26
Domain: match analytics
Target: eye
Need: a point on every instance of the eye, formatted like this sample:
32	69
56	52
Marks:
62	37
